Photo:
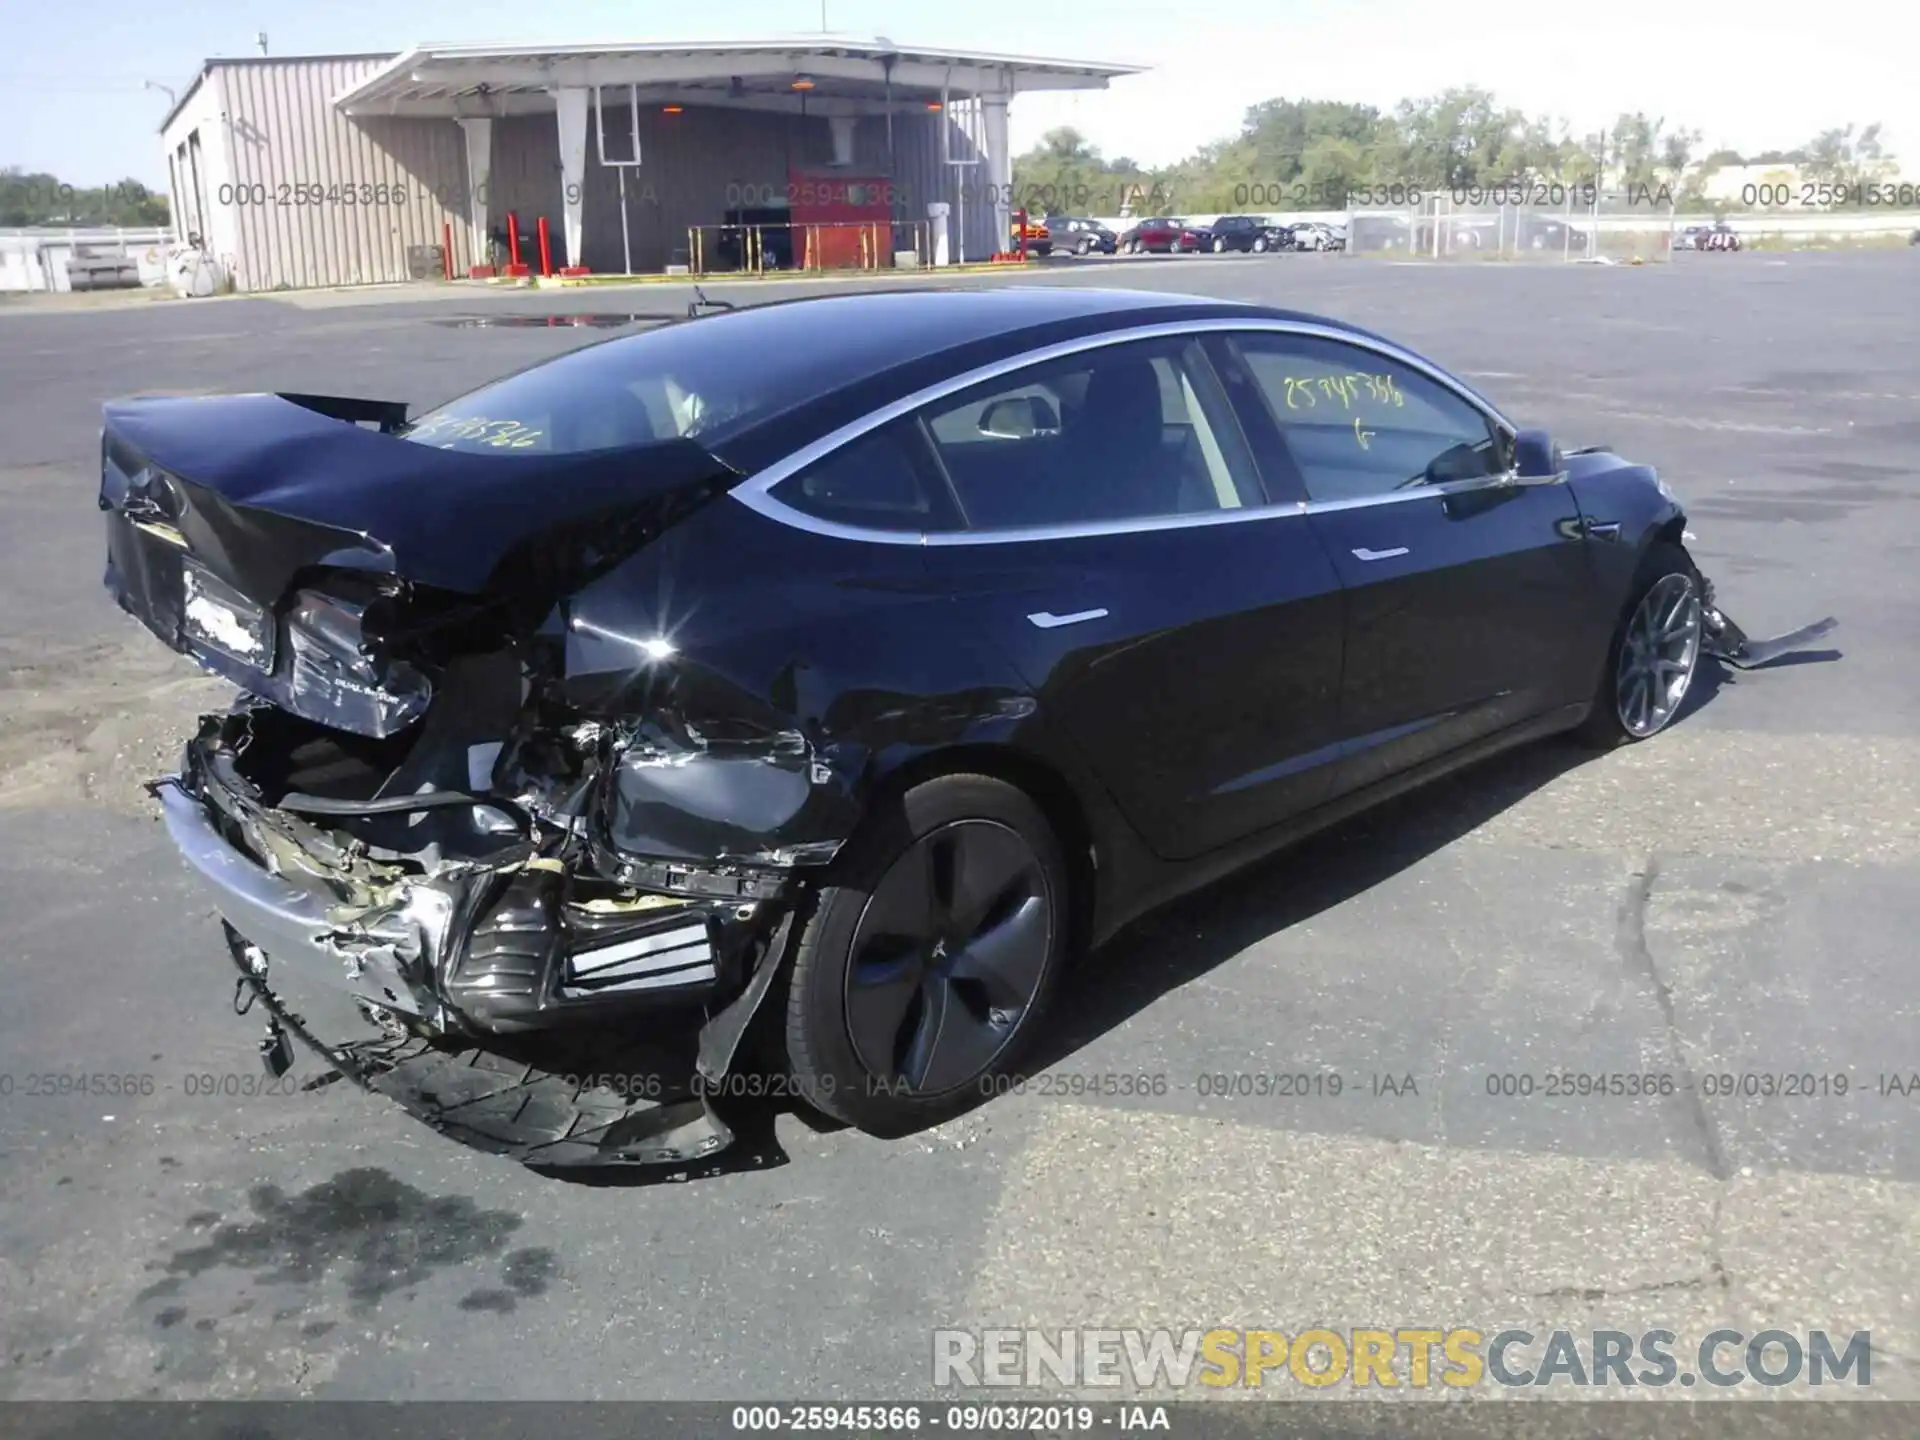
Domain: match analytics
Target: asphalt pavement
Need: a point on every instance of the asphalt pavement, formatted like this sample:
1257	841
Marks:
1736	898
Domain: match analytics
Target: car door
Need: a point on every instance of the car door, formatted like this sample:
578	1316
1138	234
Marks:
1467	593
1119	549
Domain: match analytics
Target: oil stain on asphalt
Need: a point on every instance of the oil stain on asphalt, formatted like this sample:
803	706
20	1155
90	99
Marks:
387	1236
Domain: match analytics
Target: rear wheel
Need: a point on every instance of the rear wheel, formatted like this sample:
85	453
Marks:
927	963
1655	651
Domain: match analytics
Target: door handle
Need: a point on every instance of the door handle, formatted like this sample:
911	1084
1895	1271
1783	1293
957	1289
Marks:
1602	529
1362	553
1047	620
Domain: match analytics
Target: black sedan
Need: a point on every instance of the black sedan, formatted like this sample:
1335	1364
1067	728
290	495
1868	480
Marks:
843	665
1247	234
1077	235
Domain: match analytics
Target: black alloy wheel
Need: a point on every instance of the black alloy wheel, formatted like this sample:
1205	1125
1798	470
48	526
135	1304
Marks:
929	957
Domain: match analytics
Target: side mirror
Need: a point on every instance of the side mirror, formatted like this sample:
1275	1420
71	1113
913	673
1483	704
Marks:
1019	417
1535	457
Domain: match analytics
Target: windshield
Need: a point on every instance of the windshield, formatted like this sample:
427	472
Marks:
665	384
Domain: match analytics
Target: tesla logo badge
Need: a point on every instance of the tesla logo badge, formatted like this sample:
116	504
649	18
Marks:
1365	437
1047	620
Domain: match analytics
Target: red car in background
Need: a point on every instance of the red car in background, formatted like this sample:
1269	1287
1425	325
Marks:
1165	235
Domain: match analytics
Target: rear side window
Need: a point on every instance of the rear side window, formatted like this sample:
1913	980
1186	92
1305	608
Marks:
882	481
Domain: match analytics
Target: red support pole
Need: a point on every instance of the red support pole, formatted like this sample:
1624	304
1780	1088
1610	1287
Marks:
513	240
446	246
546	255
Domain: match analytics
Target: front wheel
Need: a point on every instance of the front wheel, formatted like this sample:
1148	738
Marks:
1655	651
926	964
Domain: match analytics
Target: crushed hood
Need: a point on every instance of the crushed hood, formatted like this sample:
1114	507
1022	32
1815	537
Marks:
273	483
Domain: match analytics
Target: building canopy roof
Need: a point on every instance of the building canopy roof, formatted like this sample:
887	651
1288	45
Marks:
834	74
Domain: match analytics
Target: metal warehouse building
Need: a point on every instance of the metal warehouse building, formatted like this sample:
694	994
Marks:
358	169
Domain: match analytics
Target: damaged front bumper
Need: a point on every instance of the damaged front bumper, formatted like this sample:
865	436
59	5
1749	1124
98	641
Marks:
498	944
503	986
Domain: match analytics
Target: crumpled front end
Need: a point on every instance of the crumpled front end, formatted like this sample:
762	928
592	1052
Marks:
484	922
454	907
407	807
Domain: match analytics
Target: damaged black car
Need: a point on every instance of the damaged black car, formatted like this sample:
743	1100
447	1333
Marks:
834	669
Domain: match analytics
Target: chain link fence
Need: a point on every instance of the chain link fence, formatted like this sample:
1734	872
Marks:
1552	223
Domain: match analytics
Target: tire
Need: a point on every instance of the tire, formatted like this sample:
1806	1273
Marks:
881	953
1259	244
1622	712
1082	246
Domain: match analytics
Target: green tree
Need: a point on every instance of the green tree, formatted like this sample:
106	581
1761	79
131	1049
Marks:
1846	156
38	198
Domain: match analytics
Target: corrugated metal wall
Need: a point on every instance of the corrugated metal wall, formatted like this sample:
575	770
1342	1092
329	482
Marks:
294	155
296	159
921	177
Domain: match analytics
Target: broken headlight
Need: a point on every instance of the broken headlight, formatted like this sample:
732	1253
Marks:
335	671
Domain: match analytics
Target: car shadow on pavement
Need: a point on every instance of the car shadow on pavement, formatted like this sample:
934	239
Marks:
1711	678
1181	942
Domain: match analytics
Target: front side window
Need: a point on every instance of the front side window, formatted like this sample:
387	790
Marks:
1358	424
1125	432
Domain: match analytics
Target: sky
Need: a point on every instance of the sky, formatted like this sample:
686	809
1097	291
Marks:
1755	76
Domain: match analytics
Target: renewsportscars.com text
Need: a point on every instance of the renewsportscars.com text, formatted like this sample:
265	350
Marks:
1414	1358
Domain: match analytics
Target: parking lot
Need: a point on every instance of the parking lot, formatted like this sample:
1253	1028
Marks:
1737	897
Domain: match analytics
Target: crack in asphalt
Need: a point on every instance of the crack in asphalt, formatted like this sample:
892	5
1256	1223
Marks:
1630	941
1597	1293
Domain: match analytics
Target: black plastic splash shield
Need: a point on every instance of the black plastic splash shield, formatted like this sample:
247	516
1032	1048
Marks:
1728	642
614	1107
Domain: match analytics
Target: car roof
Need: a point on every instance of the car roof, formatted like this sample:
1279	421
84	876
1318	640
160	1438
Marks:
845	339
821	360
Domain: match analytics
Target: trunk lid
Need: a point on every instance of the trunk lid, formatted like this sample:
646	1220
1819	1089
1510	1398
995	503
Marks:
283	541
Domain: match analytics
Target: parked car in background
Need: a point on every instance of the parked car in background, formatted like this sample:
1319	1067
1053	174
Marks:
1077	235
1316	235
102	267
1165	235
1717	236
1244	233
1534	232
